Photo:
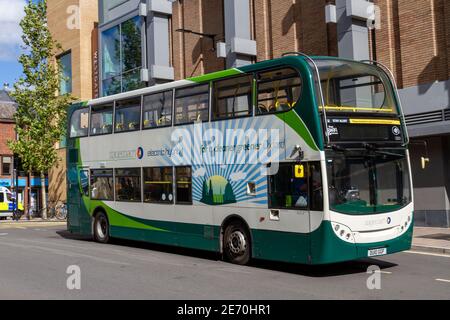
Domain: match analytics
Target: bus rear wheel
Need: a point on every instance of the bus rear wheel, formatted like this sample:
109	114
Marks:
237	244
101	228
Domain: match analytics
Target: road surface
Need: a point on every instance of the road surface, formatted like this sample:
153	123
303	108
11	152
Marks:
34	259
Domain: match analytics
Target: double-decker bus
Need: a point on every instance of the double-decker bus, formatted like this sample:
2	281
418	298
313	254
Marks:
298	159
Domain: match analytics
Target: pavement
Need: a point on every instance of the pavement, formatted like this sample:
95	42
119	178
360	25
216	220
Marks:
37	261
431	240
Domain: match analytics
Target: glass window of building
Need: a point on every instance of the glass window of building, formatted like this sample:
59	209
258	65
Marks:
65	73
122	57
6	165
102	187
157	110
233	98
278	90
158	185
101	119
128	115
192	104
79	123
183	179
128	184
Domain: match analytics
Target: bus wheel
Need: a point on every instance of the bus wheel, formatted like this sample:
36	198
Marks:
237	243
101	228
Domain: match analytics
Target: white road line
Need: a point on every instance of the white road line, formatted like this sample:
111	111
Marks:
429	254
385	272
3	234
443	280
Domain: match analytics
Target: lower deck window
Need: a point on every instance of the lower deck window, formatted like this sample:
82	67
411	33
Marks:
296	186
158	185
184	185
128	184
102	187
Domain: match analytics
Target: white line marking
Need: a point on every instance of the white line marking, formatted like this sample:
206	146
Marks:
386	272
429	254
443	280
3	234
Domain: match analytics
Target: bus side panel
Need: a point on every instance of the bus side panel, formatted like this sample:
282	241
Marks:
280	246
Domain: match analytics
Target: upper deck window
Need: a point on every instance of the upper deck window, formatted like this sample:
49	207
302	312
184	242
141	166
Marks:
233	97
157	110
128	115
278	90
79	123
355	87
101	119
192	104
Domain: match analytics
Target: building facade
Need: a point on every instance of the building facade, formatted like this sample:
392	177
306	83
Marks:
145	42
72	24
7	178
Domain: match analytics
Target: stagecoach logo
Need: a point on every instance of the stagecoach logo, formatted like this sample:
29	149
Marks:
122	155
140	153
332	130
396	131
389	220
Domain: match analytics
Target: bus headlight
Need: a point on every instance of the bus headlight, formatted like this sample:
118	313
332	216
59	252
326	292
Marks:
406	222
343	232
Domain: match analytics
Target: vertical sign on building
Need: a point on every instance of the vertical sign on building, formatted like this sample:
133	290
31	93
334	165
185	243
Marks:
95	63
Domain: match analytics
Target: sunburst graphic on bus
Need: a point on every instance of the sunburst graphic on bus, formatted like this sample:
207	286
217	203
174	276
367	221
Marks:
217	190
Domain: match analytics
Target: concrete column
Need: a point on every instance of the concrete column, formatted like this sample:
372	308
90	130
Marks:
352	31
158	47
240	47
353	43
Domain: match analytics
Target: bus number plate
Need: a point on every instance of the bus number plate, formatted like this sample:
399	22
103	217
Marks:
377	252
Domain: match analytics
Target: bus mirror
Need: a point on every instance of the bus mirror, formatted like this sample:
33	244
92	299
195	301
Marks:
424	161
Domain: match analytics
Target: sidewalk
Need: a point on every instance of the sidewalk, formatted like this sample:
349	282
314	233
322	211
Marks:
436	240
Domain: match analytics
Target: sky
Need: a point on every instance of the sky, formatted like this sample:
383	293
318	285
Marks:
10	40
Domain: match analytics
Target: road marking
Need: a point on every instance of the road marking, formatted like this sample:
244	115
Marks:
385	272
429	254
3	234
443	280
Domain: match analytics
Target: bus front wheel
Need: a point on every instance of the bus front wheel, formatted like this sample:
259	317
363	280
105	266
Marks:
237	243
101	228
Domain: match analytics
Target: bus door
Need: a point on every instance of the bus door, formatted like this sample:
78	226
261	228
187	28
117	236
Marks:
78	186
288	197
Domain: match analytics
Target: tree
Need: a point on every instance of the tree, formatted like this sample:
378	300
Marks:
41	112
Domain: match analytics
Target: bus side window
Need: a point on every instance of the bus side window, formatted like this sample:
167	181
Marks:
101	119
157	110
233	97
128	184
183	179
128	115
288	189
79	123
2	197
102	187
278	90
192	104
158	185
315	187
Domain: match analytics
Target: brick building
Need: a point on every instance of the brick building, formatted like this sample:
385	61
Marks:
7	110
71	23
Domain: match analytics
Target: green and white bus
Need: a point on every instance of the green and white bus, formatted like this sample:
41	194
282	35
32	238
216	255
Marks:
298	159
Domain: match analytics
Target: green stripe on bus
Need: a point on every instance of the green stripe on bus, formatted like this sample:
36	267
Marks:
293	120
215	75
